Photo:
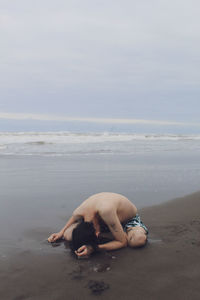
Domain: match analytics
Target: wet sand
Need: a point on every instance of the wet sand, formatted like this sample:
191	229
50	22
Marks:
168	267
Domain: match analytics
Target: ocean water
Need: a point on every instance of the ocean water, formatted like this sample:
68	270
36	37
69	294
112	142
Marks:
69	143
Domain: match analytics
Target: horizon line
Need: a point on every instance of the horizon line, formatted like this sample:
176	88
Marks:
59	118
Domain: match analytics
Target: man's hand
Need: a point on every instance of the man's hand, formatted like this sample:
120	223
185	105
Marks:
97	233
84	251
54	237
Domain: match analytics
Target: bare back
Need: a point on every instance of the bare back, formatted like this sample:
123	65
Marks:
106	203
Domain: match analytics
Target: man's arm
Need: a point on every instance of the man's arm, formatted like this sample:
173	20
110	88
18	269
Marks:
112	221
55	236
71	221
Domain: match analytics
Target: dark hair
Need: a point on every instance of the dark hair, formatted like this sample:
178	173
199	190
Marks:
84	234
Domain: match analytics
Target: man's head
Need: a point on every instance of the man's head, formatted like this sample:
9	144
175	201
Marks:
84	234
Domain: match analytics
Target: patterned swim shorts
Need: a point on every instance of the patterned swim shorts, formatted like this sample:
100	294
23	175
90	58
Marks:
134	222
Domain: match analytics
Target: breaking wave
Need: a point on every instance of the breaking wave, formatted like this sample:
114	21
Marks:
70	143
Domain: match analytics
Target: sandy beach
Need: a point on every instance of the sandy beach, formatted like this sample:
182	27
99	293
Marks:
168	267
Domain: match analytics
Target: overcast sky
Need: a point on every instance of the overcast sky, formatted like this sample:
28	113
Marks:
100	59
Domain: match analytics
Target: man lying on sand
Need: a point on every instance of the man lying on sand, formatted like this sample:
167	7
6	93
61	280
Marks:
96	214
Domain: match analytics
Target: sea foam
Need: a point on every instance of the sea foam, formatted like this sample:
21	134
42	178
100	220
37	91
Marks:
69	143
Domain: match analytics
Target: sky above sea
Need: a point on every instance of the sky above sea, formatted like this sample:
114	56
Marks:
117	66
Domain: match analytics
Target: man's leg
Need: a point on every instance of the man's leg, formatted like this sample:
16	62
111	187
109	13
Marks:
137	236
68	232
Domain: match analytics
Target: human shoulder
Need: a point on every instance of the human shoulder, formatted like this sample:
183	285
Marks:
77	213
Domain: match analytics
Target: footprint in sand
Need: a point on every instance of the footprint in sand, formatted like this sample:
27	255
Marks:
97	287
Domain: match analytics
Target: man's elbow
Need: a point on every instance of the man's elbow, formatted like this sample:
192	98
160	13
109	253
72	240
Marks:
124	243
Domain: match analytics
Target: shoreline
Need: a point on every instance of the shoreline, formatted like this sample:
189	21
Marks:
168	267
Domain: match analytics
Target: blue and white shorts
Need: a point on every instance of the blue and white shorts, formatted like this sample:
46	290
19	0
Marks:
135	222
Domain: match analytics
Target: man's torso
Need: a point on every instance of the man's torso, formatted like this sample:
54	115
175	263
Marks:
98	205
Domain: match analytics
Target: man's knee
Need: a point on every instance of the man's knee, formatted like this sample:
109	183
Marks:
68	232
137	240
68	235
